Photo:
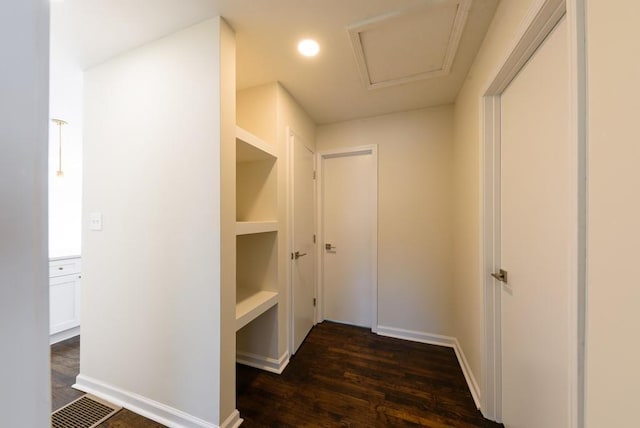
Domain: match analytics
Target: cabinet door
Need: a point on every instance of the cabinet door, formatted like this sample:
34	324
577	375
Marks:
64	303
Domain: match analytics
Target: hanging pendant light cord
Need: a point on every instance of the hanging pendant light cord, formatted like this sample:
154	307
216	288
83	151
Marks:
59	122
60	147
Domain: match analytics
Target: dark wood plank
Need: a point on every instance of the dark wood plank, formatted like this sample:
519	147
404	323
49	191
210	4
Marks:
65	365
348	376
127	419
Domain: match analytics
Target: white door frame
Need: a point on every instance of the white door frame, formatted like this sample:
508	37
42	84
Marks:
373	150
538	24
291	135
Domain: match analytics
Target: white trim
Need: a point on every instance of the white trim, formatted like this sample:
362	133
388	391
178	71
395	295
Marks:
439	340
468	374
64	335
368	149
146	407
233	421
417	336
263	363
576	19
537	25
289	229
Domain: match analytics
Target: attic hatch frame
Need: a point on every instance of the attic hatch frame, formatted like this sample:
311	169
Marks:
458	25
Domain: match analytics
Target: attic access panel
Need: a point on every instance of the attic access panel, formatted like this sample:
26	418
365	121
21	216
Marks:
409	45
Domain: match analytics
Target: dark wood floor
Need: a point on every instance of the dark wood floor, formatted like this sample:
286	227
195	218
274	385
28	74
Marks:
342	376
65	366
347	376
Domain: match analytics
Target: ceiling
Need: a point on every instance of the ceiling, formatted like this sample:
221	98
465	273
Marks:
420	50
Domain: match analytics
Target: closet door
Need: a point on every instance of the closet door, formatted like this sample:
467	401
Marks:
349	215
303	267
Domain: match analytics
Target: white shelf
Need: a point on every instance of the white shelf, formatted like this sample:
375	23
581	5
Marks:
251	227
253	305
251	148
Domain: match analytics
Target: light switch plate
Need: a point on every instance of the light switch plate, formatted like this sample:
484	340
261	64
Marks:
95	221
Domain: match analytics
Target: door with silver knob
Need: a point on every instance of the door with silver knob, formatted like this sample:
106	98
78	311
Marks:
535	233
349	220
303	259
298	254
501	275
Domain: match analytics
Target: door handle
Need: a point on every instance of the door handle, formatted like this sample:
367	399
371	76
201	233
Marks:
298	254
500	276
329	247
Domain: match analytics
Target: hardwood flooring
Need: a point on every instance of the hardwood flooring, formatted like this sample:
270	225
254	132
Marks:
342	376
65	366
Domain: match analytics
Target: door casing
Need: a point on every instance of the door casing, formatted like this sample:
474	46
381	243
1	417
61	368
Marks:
541	20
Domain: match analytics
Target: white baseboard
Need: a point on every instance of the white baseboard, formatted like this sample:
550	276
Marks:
233	421
64	335
438	339
468	374
263	363
148	408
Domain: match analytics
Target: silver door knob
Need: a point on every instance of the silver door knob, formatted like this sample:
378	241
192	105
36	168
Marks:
298	254
500	276
329	247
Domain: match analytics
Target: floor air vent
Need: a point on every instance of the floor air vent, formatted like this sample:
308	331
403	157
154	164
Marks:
85	412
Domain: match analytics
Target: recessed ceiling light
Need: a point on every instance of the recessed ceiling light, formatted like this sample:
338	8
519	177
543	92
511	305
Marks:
308	47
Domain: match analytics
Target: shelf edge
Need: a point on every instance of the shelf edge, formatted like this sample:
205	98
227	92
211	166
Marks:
252	227
264	300
258	143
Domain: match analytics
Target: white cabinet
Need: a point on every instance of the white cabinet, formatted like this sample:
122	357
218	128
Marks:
64	298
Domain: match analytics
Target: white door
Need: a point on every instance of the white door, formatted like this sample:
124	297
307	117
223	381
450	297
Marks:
535	239
304	256
349	227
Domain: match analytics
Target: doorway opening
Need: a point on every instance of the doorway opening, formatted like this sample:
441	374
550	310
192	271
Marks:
536	31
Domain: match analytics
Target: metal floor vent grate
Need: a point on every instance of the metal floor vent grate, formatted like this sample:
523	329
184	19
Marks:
85	412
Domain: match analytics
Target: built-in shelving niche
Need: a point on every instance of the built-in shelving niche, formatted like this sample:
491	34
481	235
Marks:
257	247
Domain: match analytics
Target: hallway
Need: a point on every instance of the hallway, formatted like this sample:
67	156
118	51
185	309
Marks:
367	380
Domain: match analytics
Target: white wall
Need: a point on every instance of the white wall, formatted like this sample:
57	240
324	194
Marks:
65	193
158	290
414	220
257	111
613	233
25	400
467	205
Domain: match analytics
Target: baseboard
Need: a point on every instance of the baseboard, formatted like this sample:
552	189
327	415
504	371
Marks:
148	408
64	335
233	421
468	374
438	339
263	363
